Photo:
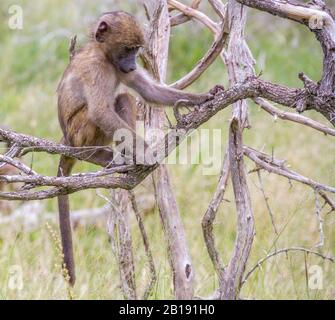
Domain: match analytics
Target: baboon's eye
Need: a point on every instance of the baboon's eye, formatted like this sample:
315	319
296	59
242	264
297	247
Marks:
130	50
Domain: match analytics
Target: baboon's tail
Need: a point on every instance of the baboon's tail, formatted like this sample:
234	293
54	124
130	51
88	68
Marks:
65	167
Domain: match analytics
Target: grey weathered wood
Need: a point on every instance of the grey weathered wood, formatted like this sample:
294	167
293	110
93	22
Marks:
119	231
320	20
146	243
182	18
250	88
245	220
239	62
210	216
180	261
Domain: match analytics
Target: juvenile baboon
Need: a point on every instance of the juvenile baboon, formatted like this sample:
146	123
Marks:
92	108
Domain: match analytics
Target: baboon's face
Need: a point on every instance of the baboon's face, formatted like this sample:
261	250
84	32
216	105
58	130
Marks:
125	60
121	38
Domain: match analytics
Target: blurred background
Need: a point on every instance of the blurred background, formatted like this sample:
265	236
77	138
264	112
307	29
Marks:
31	63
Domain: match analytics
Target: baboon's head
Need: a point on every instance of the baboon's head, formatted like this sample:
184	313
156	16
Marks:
120	36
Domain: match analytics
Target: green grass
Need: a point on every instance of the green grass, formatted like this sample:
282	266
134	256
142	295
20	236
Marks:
31	63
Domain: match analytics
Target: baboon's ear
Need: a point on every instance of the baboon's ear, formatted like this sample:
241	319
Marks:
101	31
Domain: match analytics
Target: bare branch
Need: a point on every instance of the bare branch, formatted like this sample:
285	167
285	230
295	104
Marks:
269	164
24	144
146	243
17	164
196	14
231	284
121	240
286	250
210	215
239	62
13	152
293	10
179	257
221	35
205	62
319	98
327	200
266	199
252	87
182	18
249	88
218	7
63	185
319	19
268	107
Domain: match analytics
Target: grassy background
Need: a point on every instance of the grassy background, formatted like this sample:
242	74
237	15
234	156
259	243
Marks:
31	63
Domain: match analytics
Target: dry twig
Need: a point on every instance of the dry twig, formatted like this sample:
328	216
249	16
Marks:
286	250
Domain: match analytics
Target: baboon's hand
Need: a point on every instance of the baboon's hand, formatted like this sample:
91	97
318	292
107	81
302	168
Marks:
202	98
217	89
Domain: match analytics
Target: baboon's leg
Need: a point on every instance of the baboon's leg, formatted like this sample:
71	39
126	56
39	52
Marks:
65	167
101	157
125	107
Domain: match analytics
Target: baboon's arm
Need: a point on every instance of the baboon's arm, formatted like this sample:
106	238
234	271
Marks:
160	94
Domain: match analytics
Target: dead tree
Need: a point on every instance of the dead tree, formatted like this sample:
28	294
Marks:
230	46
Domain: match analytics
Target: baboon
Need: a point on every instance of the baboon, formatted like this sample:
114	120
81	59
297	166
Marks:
92	106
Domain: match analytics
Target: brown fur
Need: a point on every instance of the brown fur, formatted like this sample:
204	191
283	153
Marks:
125	29
7	170
89	105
